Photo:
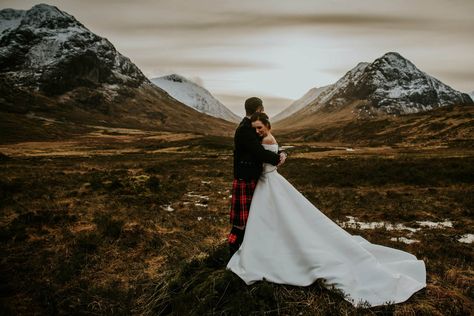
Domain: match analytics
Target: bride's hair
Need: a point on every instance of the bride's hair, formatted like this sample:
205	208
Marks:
262	117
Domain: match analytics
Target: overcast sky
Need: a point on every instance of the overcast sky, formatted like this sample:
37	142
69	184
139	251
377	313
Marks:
279	49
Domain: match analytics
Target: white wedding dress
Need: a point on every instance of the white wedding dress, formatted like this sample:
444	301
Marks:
289	241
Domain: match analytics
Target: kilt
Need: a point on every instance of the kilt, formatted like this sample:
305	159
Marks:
242	192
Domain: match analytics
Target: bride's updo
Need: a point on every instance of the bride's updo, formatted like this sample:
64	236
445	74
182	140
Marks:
262	117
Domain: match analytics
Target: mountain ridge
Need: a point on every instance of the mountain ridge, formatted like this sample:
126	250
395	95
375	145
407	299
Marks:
391	85
300	103
51	64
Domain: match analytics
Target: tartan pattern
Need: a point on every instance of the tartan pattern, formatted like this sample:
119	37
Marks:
242	193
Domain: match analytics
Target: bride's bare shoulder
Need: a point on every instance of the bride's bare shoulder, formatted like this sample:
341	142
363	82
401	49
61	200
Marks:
269	140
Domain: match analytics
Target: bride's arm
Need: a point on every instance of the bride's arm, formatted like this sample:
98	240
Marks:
270	140
250	141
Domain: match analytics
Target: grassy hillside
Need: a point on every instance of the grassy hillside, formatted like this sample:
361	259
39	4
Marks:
450	126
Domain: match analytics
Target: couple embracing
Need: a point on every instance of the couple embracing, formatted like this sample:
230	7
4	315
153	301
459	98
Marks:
279	236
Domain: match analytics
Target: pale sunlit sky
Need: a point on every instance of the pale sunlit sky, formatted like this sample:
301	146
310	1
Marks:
279	49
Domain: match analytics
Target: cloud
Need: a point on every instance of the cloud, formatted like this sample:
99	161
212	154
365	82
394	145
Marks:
245	21
227	41
207	64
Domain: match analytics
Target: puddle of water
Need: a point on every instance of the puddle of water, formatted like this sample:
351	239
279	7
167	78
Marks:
467	238
354	223
430	224
401	227
404	240
190	194
168	208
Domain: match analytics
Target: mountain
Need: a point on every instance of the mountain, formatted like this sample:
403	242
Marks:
53	67
50	50
472	95
391	85
297	105
195	96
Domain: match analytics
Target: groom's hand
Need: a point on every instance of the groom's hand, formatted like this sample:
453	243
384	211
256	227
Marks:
282	159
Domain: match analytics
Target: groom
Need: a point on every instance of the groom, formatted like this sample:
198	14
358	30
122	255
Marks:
249	155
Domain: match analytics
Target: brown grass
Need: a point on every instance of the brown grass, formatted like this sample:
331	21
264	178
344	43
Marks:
89	232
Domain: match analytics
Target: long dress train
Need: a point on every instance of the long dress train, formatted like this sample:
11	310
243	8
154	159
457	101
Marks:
289	241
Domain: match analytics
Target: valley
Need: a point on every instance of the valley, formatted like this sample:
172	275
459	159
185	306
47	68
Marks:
115	188
128	221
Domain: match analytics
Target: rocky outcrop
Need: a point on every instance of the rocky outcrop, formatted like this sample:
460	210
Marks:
48	49
391	84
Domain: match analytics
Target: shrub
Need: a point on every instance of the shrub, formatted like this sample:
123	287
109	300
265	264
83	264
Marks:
108	226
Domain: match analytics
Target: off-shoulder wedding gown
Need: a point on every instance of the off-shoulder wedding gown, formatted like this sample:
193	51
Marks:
289	241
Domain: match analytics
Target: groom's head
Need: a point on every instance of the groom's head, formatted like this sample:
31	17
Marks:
253	105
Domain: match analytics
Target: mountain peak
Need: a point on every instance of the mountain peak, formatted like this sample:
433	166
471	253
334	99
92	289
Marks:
175	78
393	60
46	9
391	84
47	16
393	56
49	49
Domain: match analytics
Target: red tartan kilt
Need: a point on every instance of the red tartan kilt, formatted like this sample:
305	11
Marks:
242	192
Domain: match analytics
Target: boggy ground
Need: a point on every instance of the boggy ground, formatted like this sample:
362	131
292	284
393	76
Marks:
124	222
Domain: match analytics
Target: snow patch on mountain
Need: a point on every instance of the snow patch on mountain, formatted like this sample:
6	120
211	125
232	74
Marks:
351	78
10	19
195	96
49	49
392	85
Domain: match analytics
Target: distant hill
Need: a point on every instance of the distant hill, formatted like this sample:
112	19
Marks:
195	96
451	126
308	98
53	67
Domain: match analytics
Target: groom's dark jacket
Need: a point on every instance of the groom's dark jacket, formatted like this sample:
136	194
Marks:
249	153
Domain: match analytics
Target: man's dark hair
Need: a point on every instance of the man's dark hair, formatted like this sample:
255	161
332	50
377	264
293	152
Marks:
252	104
262	117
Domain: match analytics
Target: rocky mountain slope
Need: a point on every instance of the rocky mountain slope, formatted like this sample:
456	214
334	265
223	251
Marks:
53	66
50	50
391	85
195	96
294	107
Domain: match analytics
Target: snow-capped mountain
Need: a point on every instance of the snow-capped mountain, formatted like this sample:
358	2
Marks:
297	105
471	95
52	65
389	85
49	49
195	96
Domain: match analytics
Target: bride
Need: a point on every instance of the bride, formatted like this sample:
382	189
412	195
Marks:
289	241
